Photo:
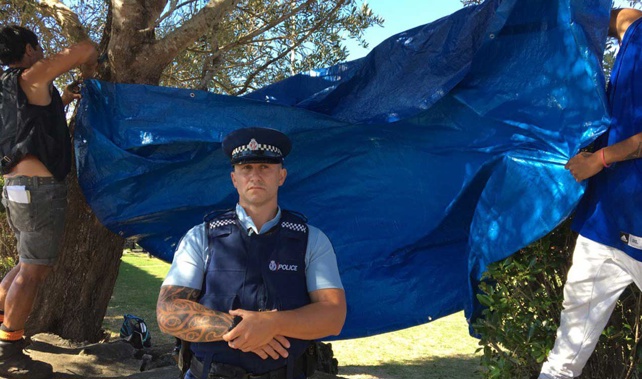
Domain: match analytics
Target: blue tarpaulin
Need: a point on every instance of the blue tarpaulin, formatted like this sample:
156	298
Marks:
440	152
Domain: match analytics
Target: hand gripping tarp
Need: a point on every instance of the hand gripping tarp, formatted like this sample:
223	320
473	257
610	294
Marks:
440	152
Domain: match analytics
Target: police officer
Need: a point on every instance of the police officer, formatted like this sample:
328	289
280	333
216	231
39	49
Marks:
608	252
35	158
251	287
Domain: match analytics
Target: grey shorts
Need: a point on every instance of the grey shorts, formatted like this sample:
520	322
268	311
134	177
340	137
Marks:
37	216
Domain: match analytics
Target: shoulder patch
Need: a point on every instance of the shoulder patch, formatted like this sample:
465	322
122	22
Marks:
295	226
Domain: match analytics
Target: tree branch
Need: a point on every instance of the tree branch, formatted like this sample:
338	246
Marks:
173	6
297	43
66	18
208	67
249	36
179	39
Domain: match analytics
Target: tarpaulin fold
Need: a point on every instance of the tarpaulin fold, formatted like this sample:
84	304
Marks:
438	153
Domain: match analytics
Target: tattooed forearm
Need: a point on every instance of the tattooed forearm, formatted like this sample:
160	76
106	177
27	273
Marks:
180	315
637	153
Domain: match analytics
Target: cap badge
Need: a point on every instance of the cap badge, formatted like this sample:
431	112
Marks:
253	145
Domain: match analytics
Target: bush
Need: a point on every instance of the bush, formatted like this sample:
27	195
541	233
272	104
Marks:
523	298
8	249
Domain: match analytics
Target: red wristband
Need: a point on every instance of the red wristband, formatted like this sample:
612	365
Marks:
604	160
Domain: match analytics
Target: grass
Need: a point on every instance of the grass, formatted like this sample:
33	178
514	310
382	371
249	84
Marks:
136	292
441	349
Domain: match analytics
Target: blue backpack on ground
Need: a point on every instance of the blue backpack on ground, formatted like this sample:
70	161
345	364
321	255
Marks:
134	331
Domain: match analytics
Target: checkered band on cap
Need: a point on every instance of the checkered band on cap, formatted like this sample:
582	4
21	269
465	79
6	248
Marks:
242	145
296	227
254	146
218	223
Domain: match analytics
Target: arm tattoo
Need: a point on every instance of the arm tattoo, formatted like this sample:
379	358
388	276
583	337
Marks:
637	153
179	314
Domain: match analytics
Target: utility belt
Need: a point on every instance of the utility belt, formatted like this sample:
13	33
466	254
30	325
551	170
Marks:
225	371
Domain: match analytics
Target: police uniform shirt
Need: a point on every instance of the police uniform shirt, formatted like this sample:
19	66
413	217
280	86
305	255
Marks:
190	260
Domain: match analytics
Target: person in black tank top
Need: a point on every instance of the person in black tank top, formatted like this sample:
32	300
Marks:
35	158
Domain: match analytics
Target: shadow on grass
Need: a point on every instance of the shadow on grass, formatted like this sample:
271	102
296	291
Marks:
429	368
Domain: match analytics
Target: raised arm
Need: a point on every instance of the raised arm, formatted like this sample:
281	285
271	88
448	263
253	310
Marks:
179	314
35	80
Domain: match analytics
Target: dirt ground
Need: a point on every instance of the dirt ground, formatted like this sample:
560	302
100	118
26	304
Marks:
116	359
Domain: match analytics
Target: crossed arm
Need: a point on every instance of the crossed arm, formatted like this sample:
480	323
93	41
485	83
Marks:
324	316
180	315
262	333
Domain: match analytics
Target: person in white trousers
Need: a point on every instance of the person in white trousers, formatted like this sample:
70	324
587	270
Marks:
608	252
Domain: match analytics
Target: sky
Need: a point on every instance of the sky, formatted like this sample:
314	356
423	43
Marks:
401	15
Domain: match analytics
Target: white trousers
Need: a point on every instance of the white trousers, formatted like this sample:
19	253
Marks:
598	276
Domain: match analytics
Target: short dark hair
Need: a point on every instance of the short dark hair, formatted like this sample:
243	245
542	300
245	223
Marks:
13	42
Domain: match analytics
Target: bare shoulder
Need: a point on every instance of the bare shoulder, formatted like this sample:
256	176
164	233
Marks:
46	70
621	19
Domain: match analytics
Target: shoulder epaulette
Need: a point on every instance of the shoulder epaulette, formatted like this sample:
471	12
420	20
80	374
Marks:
218	213
219	222
303	228
294	221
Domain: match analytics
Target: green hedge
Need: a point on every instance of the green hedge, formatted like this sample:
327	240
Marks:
8	252
523	298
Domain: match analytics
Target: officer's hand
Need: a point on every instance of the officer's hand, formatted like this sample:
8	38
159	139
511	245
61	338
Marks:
584	165
275	349
256	330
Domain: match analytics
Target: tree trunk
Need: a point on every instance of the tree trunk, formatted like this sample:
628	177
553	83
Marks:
74	298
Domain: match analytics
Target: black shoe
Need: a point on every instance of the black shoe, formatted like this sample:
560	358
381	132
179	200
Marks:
15	364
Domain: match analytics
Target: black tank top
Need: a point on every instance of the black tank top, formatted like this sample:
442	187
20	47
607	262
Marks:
32	129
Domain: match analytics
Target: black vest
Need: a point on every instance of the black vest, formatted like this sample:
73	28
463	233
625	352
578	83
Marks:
32	129
257	272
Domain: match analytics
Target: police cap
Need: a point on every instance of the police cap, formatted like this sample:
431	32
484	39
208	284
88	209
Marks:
256	145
